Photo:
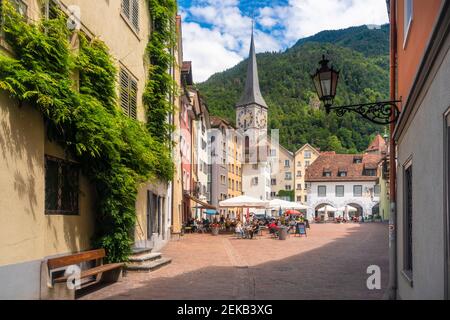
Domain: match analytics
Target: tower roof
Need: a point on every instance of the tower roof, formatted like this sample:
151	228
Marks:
252	93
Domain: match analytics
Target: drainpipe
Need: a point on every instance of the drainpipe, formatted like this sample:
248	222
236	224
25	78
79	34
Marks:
391	293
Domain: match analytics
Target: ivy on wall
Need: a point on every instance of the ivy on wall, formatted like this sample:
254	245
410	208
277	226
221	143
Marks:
115	152
160	84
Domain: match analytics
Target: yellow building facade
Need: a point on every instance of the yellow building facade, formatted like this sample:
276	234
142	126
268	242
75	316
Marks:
303	158
29	234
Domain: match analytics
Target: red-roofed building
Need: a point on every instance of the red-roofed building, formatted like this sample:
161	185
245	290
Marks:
339	180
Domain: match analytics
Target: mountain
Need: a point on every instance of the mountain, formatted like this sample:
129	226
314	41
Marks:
362	56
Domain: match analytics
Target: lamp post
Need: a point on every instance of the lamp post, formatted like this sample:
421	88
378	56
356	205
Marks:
325	82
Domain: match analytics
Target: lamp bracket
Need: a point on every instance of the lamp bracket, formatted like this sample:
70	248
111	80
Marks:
382	113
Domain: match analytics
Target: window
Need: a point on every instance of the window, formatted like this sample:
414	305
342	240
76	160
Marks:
255	167
49	9
288	188
340	191
273	194
255	181
377	190
274	182
370	172
299	174
407	20
299	199
322	191
307	164
273	152
299	186
327	173
288	176
342	173
357	191
408	220
128	94
130	11
247	149
307	154
299	164
287	163
306	199
61	187
357	159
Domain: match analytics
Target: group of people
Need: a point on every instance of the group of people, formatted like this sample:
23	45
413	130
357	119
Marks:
248	229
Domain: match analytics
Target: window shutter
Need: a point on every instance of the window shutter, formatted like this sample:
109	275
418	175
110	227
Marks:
124	92
126	8
133	98
135	14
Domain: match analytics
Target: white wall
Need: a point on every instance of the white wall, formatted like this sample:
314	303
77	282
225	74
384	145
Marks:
367	202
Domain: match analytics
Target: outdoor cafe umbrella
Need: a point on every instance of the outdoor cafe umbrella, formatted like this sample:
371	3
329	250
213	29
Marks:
327	209
346	210
293	212
244	202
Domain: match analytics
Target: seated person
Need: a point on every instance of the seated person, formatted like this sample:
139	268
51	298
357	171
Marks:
239	230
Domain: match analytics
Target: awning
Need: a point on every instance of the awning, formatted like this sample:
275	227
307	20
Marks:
203	204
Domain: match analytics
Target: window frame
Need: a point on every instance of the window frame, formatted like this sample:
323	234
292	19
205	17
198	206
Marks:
343	191
318	191
60	211
354	191
131	100
447	201
408	243
129	18
407	23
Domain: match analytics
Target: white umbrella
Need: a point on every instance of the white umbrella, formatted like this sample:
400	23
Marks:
328	208
348	209
243	202
300	206
283	204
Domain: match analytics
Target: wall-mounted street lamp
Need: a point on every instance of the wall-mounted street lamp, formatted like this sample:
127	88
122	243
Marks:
325	82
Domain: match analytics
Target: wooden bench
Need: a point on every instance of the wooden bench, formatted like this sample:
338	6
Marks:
55	280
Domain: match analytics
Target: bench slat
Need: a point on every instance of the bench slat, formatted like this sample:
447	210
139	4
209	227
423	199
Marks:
76	258
93	271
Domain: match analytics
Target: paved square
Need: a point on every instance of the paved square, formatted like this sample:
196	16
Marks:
331	263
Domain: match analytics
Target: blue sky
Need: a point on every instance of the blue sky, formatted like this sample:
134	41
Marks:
216	33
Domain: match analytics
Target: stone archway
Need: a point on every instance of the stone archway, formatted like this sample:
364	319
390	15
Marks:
320	204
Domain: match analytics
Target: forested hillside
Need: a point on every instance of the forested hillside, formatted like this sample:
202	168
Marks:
361	55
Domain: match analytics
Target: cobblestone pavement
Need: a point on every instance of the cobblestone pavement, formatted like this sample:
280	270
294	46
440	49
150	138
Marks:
330	263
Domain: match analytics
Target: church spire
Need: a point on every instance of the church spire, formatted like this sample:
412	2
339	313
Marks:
252	93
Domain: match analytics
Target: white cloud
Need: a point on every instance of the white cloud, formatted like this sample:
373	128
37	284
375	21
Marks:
224	39
207	49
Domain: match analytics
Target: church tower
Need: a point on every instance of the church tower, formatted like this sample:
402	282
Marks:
251	122
251	110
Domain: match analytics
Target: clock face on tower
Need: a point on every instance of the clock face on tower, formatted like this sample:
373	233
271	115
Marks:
261	119
245	119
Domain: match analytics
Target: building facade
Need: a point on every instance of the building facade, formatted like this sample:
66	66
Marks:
30	230
422	136
339	180
282	173
304	157
234	152
219	157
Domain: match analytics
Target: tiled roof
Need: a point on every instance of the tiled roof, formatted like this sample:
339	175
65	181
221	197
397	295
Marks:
378	144
334	163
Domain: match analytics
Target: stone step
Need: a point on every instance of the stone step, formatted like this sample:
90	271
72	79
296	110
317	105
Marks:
141	251
141	259
149	266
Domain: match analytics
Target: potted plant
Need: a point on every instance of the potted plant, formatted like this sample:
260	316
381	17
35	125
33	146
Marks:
215	228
